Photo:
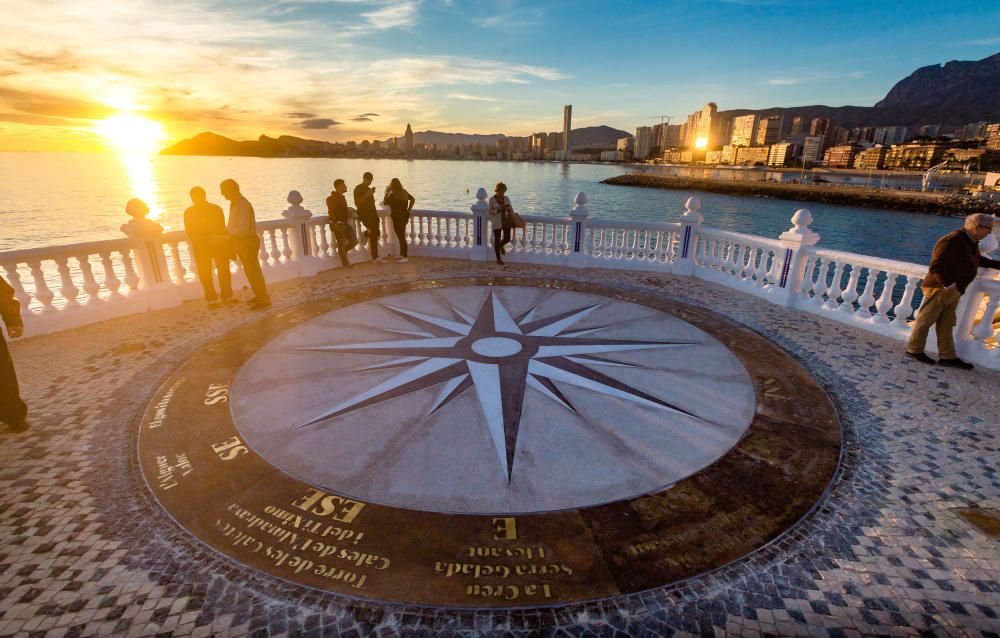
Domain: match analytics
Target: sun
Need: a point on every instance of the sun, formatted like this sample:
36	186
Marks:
132	133
701	142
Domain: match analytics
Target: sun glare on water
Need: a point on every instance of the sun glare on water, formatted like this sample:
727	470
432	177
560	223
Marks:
136	139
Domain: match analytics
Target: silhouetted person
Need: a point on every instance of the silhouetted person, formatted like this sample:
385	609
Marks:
13	411
500	210
242	229
364	202
340	221
205	225
400	204
955	262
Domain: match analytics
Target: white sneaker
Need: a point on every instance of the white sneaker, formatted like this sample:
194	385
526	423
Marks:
402	260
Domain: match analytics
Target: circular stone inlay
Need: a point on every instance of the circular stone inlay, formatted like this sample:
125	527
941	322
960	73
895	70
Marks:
394	445
496	347
422	400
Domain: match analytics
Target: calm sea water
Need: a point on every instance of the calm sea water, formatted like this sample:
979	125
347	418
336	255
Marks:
59	198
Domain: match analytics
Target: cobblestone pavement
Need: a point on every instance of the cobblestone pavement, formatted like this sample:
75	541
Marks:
87	552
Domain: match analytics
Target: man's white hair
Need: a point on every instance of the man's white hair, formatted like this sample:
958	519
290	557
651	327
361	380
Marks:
979	219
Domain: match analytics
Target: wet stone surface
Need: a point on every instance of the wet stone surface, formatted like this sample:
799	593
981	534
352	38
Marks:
89	551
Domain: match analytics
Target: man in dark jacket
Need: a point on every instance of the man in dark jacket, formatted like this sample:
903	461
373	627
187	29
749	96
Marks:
205	225
340	221
13	412
954	264
364	202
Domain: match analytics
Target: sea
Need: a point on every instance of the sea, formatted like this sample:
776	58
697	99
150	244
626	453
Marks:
60	198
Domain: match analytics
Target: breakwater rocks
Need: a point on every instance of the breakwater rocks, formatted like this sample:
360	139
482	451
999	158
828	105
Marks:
899	200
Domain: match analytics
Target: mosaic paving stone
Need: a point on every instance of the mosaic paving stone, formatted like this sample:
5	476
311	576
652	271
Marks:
89	552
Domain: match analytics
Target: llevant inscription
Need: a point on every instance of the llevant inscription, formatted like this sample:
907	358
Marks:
221	485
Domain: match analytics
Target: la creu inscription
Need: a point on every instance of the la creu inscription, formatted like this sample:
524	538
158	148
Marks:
199	467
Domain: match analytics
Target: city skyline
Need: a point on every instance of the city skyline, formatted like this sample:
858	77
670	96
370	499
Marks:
349	70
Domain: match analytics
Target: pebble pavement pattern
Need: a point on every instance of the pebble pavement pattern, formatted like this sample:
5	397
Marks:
87	552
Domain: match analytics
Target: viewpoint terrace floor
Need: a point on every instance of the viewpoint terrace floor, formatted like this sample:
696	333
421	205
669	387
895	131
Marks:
88	552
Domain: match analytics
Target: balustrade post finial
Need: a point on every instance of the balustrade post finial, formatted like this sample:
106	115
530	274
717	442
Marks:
481	250
794	260
579	253
147	237
691	220
299	239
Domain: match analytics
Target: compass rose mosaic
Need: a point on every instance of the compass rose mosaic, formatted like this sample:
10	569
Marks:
489	443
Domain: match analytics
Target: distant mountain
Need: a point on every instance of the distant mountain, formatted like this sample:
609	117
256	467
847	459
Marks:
290	146
951	94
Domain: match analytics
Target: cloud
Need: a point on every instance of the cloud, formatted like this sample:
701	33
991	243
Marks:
397	15
474	98
782	82
369	115
419	72
984	42
319	123
523	18
22	118
299	116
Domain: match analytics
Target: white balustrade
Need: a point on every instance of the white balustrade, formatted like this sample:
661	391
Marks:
59	286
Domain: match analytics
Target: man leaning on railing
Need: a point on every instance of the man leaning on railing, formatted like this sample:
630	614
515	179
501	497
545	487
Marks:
13	412
955	262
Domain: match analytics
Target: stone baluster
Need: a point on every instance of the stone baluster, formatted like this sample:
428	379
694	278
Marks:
324	244
904	310
14	278
818	286
794	261
867	299
131	277
147	242
884	305
276	252
760	272
691	223
578	257
178	269
850	292
68	290
834	291
90	285
972	301
984	329
42	292
111	281
262	254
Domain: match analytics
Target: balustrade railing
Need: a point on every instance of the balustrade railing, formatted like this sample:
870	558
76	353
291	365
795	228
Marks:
62	287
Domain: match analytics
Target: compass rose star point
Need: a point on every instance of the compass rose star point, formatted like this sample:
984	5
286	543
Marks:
499	355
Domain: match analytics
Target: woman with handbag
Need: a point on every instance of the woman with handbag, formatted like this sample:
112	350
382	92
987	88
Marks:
501	213
400	204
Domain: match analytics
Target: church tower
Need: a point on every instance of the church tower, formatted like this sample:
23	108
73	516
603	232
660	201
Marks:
409	138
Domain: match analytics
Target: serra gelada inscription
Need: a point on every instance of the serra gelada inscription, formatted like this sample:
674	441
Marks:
559	350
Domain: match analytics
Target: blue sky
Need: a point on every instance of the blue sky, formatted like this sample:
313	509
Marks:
315	68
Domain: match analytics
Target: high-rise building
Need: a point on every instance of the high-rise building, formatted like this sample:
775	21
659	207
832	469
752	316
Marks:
708	127
974	131
409	140
929	130
567	121
643	142
744	130
796	125
871	159
841	156
624	149
889	135
819	126
767	130
752	155
812	148
993	137
782	154
863	134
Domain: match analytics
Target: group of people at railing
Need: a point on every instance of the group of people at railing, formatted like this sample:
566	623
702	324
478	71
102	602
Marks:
215	241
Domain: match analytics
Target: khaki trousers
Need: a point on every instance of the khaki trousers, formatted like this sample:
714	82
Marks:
937	310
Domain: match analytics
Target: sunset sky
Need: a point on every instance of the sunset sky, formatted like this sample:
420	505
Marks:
90	75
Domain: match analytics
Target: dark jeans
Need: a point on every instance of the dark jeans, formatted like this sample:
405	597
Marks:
342	237
501	237
246	250
374	233
12	408
205	256
399	222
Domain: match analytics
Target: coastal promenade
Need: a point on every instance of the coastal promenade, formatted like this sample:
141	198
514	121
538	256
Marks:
901	538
